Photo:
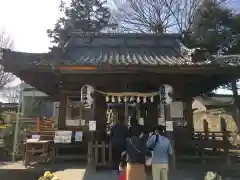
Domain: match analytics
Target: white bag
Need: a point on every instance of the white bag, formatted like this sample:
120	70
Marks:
148	161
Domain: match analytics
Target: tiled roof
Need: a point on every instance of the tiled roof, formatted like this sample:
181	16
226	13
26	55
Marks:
231	60
119	49
216	100
136	49
126	56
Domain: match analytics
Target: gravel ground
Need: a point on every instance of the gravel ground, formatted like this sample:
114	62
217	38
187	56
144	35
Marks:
16	171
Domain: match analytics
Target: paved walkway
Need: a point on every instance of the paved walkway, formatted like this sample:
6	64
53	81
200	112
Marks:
68	171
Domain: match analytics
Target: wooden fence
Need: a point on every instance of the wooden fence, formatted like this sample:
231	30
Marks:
100	153
202	145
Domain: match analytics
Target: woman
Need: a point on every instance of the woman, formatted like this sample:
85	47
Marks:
119	133
136	153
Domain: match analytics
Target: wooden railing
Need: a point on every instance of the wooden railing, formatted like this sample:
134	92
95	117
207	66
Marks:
44	125
100	153
202	145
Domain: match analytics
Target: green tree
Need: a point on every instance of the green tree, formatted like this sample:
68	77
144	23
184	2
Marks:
79	15
217	28
211	27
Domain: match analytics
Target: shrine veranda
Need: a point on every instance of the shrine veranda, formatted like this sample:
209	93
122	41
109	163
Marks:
124	72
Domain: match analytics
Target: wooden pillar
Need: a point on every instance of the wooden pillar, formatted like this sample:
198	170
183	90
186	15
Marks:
92	146
152	115
62	111
189	114
225	140
38	124
167	115
203	139
100	115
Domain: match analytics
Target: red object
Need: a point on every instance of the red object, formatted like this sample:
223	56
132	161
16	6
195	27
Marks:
122	176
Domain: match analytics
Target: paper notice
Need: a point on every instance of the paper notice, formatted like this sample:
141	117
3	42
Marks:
36	137
161	121
141	121
169	126
78	136
92	125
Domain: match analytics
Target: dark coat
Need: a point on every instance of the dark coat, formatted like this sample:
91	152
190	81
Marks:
119	133
136	151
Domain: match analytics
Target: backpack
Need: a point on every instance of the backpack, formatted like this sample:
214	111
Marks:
155	143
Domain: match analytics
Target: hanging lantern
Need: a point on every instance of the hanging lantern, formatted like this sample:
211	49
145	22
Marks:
152	99
107	98
138	99
87	95
165	93
113	99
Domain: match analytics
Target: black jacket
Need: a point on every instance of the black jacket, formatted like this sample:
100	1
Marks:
119	133
136	151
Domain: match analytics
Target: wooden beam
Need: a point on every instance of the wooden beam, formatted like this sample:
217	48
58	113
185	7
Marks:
75	68
62	111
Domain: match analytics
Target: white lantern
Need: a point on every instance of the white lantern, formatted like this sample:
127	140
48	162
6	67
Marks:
87	95
165	93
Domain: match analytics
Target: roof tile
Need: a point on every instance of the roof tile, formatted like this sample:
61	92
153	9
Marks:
127	56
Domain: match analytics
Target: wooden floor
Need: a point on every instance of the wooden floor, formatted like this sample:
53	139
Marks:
68	171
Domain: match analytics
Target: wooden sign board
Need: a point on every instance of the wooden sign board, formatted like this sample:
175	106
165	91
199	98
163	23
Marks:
70	122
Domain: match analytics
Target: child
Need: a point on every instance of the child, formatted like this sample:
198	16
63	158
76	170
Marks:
122	167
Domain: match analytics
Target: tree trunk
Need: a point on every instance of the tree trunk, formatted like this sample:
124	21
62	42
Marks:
236	102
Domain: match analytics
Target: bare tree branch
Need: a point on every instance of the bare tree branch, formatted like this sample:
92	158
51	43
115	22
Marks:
158	16
5	42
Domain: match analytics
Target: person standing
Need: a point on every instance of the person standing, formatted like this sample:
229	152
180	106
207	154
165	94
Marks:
134	124
136	153
118	133
161	147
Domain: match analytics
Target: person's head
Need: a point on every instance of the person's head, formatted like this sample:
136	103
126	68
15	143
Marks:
160	130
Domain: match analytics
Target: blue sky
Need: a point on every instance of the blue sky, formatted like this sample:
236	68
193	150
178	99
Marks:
26	21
